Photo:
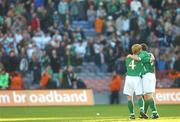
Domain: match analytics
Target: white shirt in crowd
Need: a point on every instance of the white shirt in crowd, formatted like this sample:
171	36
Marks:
38	40
80	48
97	47
46	40
30	51
125	24
135	5
122	24
18	37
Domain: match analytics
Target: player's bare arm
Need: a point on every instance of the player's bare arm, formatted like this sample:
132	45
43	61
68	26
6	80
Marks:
134	57
152	57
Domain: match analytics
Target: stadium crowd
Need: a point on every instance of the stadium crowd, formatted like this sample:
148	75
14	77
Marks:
39	43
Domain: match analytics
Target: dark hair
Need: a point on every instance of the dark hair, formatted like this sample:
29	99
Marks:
144	47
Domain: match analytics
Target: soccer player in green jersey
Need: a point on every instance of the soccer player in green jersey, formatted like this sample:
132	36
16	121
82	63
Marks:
133	83
149	79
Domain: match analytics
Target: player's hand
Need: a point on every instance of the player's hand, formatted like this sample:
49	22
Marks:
129	56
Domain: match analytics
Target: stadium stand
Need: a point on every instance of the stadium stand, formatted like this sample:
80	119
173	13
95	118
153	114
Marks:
37	33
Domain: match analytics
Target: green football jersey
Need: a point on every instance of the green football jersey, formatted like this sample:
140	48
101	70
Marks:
4	80
146	60
134	68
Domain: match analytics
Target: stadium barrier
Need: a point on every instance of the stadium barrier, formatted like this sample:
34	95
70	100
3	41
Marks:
167	96
46	97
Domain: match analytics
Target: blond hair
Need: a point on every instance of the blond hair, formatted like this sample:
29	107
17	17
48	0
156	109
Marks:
136	48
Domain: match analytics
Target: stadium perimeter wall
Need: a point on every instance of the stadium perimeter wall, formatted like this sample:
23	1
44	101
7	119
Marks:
75	97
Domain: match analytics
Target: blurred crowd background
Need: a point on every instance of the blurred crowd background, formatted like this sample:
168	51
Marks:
79	43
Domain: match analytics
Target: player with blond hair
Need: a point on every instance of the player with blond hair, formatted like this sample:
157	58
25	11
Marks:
148	79
133	82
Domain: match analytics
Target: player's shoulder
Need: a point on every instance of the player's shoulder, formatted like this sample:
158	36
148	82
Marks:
144	52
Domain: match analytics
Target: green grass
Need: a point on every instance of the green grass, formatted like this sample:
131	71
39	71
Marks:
108	113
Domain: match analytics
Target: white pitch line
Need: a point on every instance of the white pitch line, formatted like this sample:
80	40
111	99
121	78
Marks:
56	118
84	119
28	119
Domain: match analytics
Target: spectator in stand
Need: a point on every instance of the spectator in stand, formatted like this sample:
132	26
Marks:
35	67
79	84
91	16
111	58
113	8
12	63
55	65
100	60
63	7
16	81
175	77
35	22
47	78
80	50
115	87
74	10
125	39
123	23
89	56
135	5
68	78
38	3
161	66
56	18
110	26
17	24
45	18
101	12
82	10
4	78
177	63
99	25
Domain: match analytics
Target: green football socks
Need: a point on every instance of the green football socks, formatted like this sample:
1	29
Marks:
146	105
152	105
141	103
131	107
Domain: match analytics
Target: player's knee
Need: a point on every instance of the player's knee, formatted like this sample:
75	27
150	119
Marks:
139	96
129	97
148	96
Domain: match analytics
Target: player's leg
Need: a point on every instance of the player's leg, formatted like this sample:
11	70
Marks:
131	107
146	102
149	83
128	90
141	107
139	93
149	98
140	102
146	105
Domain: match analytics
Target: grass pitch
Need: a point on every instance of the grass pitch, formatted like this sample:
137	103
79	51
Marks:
97	113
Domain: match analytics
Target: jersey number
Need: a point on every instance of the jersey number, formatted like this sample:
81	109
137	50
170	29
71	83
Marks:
132	65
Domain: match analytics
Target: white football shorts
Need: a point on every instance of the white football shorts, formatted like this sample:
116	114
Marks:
149	83
133	84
